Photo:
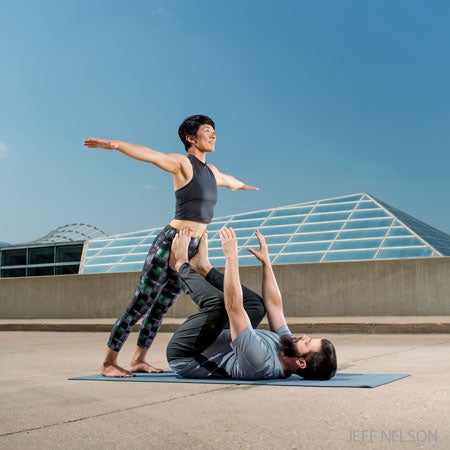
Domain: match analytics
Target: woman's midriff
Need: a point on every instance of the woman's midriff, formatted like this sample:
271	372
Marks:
197	227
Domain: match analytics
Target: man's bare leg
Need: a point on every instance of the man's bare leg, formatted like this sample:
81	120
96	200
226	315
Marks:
138	363
200	262
110	367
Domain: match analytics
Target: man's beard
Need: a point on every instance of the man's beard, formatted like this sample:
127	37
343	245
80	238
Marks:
288	345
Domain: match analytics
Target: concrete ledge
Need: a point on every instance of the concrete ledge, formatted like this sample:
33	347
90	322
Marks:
314	325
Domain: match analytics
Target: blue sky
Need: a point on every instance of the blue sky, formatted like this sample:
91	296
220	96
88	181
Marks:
311	100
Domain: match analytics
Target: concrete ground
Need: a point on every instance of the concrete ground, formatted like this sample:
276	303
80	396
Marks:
41	409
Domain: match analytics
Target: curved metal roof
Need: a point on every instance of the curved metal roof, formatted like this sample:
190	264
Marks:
70	233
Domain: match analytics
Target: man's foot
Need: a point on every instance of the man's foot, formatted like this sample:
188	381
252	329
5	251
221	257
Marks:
200	262
144	367
115	371
179	251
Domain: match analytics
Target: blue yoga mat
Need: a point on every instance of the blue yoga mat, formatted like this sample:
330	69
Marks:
349	380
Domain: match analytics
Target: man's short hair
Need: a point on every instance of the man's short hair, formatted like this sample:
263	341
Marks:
190	126
320	365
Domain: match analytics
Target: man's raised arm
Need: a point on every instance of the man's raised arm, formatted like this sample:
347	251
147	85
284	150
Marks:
232	289
270	291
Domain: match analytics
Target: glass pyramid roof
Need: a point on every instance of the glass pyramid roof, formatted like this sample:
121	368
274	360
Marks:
348	228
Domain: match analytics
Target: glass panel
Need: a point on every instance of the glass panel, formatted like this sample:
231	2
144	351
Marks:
362	243
105	260
68	253
98	244
273	249
41	255
40	271
328	226
278	230
370	223
141	249
16	257
399	232
298	258
248	261
215	253
91	252
252	242
111	251
358	234
129	267
67	269
367	205
327	217
292	220
252	215
213	229
148	240
214	244
9	273
242	241
277	239
308	247
95	269
404	253
335	208
350	256
126	242
246	224
444	250
369	214
310	237
350	198
244	233
133	258
293	211
402	242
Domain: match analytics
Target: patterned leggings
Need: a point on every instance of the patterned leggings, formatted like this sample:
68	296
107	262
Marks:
157	289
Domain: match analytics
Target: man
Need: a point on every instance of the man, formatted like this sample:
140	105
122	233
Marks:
203	346
195	184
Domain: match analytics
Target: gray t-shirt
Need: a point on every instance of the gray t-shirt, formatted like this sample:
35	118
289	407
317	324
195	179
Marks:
253	355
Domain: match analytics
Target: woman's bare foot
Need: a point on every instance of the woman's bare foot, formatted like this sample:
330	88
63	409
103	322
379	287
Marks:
200	262
179	250
144	367
138	363
115	371
110	367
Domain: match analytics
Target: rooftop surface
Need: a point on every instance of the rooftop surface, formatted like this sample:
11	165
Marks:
42	409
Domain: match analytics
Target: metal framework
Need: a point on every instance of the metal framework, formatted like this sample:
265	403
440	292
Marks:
347	228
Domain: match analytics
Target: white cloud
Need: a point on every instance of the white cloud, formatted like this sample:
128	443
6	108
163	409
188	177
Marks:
149	187
3	149
161	11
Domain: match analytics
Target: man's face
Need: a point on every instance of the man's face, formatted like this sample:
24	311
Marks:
306	345
206	138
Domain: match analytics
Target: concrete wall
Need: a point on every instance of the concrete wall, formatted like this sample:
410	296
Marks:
368	288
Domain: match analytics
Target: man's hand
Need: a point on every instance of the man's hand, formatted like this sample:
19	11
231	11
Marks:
100	143
229	242
263	254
